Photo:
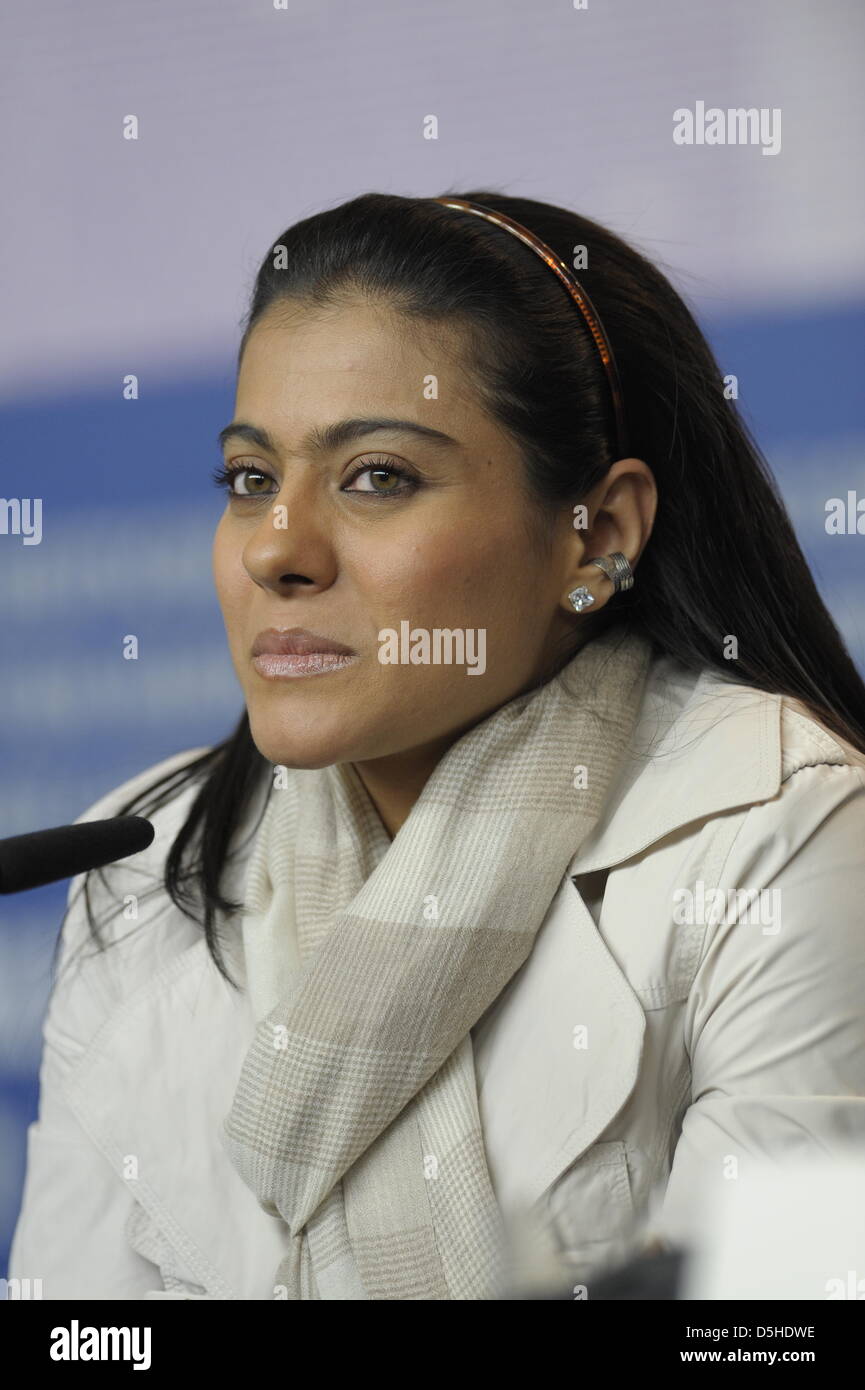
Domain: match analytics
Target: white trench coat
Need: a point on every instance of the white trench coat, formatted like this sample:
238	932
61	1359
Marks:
646	1039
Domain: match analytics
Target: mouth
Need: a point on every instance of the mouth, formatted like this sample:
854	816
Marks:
295	651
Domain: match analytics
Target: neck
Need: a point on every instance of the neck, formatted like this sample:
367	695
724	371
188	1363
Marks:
394	783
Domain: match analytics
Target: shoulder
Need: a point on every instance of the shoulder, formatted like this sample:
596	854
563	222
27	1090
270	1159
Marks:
820	774
171	797
793	861
782	957
706	750
143	934
811	771
806	742
814	826
111	802
139	927
727	722
759	858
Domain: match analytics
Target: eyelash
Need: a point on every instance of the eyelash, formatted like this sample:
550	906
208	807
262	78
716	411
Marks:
224	475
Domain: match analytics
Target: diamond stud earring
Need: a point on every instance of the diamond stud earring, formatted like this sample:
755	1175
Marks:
581	598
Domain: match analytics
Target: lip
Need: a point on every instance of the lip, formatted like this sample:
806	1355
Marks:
295	651
297	641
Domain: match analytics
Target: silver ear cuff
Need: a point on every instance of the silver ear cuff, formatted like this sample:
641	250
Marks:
617	570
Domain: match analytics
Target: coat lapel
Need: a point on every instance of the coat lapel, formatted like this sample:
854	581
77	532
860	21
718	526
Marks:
559	1053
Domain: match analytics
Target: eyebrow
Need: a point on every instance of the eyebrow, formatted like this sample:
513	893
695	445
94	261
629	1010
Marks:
327	438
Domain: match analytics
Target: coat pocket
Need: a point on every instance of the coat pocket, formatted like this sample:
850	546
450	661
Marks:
591	1211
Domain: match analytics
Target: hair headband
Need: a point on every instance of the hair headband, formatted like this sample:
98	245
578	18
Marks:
577	293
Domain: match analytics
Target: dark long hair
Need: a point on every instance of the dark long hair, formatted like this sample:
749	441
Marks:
722	559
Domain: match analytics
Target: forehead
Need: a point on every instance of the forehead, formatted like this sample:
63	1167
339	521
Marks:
349	350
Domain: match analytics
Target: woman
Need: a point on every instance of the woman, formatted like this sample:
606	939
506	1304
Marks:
530	877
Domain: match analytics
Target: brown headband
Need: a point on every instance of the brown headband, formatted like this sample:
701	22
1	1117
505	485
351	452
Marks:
577	293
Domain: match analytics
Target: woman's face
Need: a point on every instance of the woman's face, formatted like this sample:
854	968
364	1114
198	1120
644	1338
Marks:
374	531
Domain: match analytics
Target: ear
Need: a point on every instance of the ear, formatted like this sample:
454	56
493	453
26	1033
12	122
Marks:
617	515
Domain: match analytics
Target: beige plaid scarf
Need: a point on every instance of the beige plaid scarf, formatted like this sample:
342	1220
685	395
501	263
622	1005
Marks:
356	1115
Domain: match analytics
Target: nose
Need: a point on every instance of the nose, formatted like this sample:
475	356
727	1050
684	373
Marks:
291	549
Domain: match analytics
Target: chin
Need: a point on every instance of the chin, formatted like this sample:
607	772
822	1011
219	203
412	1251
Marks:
300	755
303	745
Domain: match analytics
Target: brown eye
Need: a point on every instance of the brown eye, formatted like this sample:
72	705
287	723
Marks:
226	477
384	480
253	482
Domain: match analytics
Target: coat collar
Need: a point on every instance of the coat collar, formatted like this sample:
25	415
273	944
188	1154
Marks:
703	746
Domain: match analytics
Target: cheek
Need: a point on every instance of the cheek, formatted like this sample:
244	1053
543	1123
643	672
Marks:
454	569
229	575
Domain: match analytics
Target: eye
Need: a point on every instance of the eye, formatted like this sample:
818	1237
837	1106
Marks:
384	479
225	476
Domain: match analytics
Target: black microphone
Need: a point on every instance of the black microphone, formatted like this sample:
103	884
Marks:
44	856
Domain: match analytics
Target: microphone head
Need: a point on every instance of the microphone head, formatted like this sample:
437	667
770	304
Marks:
44	856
